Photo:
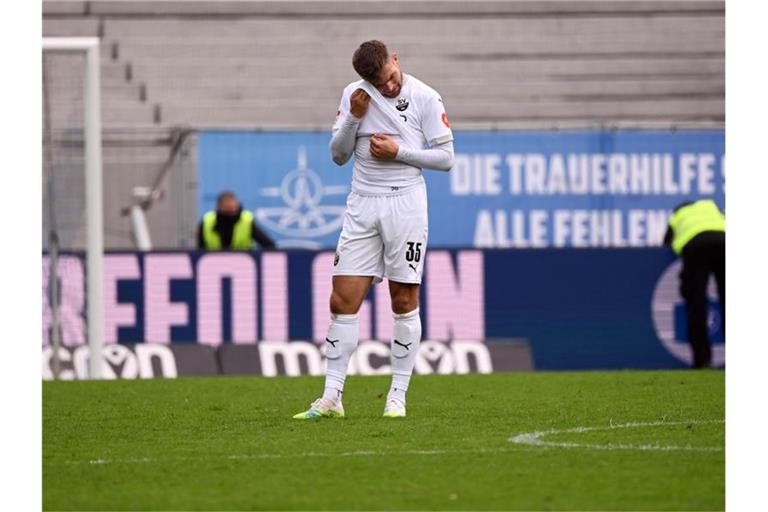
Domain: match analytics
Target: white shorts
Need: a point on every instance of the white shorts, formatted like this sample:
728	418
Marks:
384	236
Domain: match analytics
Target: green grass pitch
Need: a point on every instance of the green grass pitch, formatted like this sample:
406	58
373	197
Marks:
624	440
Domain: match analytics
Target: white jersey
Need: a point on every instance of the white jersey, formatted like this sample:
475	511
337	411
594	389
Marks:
418	105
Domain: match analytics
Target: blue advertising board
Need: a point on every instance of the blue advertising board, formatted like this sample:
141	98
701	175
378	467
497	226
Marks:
506	189
578	308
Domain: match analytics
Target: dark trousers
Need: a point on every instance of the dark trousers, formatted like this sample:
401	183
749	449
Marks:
703	256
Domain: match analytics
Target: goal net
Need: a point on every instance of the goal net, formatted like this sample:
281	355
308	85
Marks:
72	231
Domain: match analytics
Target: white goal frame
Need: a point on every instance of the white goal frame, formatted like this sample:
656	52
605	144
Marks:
94	204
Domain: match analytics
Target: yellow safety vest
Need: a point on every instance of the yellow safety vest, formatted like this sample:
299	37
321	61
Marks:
242	236
690	220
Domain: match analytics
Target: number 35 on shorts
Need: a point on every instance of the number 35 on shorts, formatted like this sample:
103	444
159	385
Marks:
413	252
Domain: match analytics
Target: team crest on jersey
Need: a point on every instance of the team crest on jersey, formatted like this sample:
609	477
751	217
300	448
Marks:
402	104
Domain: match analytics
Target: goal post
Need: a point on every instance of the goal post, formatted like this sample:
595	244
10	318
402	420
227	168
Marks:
93	190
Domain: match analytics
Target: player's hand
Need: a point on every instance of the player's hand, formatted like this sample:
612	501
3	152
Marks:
383	146
358	103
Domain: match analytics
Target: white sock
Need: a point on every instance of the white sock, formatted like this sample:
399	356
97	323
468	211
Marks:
406	338
340	343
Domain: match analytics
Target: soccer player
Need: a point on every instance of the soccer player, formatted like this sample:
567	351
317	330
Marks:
395	125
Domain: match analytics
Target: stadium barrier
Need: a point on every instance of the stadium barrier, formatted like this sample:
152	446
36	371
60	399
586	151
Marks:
507	189
282	358
578	308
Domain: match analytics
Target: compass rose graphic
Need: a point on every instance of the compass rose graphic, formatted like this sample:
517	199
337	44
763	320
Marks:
303	214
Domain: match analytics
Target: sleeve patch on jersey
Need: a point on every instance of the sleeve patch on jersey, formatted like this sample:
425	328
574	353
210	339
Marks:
445	120
442	139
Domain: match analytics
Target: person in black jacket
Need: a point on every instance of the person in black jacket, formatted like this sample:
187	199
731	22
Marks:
696	233
229	227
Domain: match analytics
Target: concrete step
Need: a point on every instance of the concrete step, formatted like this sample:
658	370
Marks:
126	115
683	107
256	93
402	28
71	27
492	67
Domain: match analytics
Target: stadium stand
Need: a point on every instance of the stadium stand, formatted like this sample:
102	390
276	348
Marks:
170	68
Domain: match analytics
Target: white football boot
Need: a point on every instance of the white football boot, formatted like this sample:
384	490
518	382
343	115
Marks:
322	408
394	409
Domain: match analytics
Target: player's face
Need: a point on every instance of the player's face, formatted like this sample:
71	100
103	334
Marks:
391	78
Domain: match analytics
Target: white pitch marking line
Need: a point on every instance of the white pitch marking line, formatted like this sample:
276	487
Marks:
361	453
106	461
531	439
535	438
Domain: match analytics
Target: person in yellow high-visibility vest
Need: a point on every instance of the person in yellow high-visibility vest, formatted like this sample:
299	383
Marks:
696	233
230	228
